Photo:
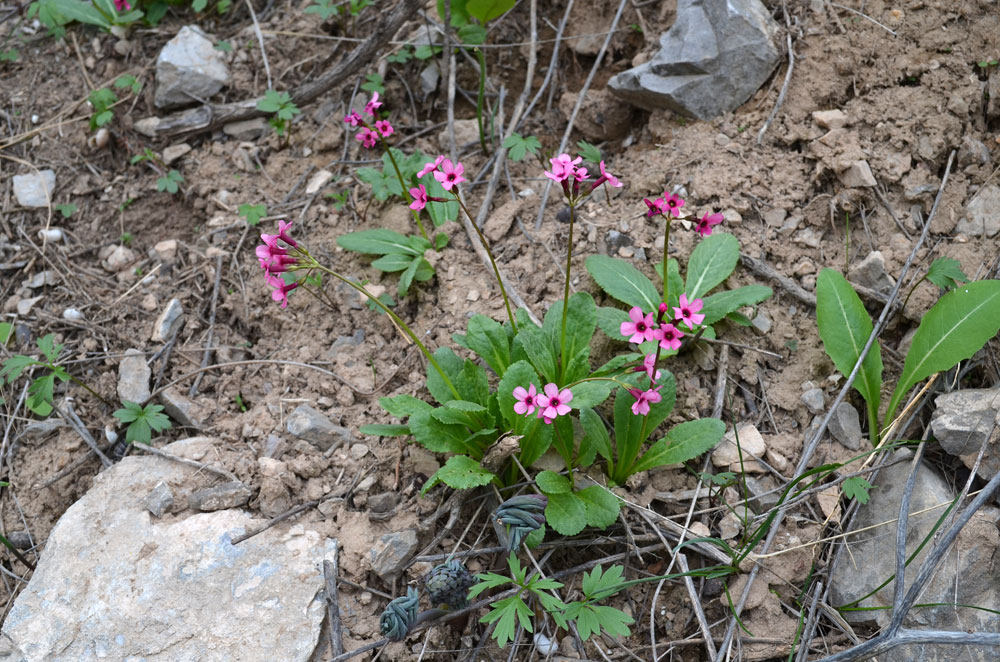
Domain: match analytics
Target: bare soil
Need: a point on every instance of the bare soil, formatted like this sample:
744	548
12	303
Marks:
904	73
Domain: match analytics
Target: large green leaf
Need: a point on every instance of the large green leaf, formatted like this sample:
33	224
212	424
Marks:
581	318
84	12
518	374
601	506
956	327
452	366
590	394
377	242
487	10
844	327
566	513
624	282
436	436
684	442
459	472
487	338
711	262
722	303
538	347
610	320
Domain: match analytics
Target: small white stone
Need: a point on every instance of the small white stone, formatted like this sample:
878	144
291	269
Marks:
72	315
35	119
52	234
318	181
473	295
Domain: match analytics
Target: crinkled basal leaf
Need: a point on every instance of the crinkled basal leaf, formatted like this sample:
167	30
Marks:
623	281
459	472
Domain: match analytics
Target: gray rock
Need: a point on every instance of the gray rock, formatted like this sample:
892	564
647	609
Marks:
711	60
762	493
182	409
166	590
24	306
169	321
345	342
382	503
845	426
965	420
830	119
966	575
42	279
307	423
815	400
160	499
871	273
246	130
133	377
393	552
761	322
174	152
35	189
189	69
973	152
227	495
993	95
615	240
983	218
20	539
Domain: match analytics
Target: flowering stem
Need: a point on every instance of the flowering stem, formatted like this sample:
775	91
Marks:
493	263
569	257
399	324
402	184
479	99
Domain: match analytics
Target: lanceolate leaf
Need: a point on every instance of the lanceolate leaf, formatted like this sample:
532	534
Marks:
378	242
711	262
683	442
956	327
487	10
844	327
624	282
723	303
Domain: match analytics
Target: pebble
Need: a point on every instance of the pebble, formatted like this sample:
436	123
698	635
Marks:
807	237
761	322
845	426
815	400
169	320
182	409
35	189
858	175
473	295
160	499
24	306
133	377
166	250
393	552
227	495
246	129
871	273
830	119
358	451
174	152
727	455
312	426
43	278
318	181
51	234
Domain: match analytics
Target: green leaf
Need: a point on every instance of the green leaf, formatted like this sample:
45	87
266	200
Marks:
521	374
552	483
6	331
41	393
856	487
66	210
459	14
49	347
82	12
684	442
566	513
590	394
15	365
440	212
395	262
844	327
436	436
537	345
487	10
404	405
946	273
589	152
487	580
721	304
581	318
472	34
624	282
595	435
252	213
614	621
956	327
385	430
377	242
505	612
610	320
598	584
711	262
601	506
629	428
459	472
487	338
518	146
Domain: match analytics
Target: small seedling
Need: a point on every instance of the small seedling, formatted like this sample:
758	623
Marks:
252	213
373	83
9	55
146	155
170	183
518	146
42	389
282	107
130	82
66	210
142	421
126	238
323	8
101	101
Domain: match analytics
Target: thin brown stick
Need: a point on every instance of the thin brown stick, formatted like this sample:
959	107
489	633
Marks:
211	323
330	574
152	450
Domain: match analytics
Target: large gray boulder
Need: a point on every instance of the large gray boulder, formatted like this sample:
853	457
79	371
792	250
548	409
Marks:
967	575
189	69
713	58
115	583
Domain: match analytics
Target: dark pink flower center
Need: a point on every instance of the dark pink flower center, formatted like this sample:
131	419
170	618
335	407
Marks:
640	327
554	402
686	312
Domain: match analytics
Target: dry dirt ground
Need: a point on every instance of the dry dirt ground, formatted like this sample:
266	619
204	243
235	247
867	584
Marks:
904	73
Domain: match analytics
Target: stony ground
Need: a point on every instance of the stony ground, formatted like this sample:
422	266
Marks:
904	76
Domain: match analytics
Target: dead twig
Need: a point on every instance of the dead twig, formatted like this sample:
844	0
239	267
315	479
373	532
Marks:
152	450
70	417
211	323
330	574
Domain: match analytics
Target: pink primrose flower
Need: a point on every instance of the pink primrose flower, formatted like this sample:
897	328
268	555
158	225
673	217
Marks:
656	207
669	336
273	260
688	311
384	128
122	5
563	167
527	400
283	229
641	327
673	204
450	174
281	289
704	226
373	104
607	177
648	365
643	399
419	197
353	119
367	137
553	402
430	167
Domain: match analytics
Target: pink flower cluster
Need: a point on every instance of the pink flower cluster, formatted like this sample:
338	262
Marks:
566	169
670	205
369	136
549	404
448	174
122	5
641	326
275	259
